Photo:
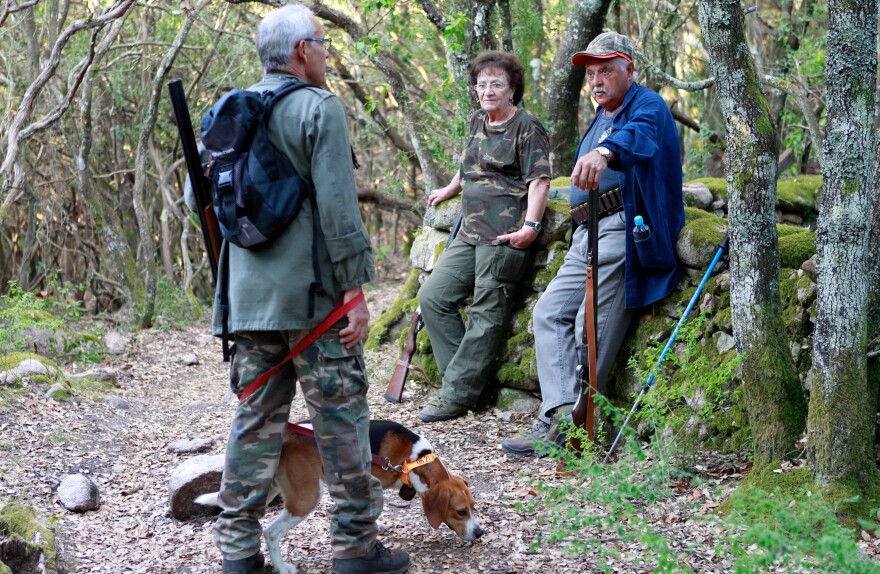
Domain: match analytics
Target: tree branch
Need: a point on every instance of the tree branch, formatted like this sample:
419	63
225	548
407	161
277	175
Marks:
796	91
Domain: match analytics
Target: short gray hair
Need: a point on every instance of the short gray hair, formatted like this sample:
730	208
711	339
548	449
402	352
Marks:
280	32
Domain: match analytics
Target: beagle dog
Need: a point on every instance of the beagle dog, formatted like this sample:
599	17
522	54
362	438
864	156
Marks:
401	459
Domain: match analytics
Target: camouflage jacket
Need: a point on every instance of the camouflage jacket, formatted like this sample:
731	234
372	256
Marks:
497	165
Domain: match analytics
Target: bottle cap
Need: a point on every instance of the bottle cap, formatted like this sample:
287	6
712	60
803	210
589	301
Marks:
638	220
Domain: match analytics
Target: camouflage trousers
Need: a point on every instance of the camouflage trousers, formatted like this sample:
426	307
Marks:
465	354
334	384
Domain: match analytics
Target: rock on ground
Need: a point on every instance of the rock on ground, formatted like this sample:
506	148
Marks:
79	493
194	477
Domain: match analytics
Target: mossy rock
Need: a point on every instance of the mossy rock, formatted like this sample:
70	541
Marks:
19	520
798	193
405	303
59	393
795	248
12	360
717	185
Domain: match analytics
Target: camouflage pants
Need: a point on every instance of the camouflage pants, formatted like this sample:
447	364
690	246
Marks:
334	385
464	355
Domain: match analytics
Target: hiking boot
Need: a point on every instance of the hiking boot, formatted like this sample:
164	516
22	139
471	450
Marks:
524	445
248	565
540	440
442	409
379	560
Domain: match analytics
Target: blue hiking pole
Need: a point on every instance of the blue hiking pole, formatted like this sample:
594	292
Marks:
722	247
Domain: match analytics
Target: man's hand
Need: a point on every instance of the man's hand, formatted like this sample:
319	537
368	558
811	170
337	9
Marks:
588	171
358	321
522	238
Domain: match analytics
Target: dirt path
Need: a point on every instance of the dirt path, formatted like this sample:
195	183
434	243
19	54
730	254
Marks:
125	451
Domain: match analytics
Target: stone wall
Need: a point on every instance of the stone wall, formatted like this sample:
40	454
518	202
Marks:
706	209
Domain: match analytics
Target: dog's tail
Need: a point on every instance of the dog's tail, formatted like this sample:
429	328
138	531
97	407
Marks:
209	499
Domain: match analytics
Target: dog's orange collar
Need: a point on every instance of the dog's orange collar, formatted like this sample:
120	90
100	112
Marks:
408	466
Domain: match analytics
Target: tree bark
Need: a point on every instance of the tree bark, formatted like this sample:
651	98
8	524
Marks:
561	100
771	385
841	421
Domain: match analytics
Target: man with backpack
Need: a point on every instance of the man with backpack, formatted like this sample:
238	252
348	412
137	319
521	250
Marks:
270	292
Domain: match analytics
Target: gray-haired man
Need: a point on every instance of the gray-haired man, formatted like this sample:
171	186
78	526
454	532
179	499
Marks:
630	156
268	294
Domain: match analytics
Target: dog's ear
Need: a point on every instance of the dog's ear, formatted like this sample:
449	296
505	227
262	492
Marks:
435	502
407	492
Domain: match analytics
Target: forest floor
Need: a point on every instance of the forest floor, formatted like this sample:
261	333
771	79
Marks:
125	452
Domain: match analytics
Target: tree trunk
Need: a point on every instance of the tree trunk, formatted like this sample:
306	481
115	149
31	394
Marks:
771	385
564	82
841	421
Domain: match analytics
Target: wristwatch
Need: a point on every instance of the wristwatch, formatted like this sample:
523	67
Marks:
534	225
604	152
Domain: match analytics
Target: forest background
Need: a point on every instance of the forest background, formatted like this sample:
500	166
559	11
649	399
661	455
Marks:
91	212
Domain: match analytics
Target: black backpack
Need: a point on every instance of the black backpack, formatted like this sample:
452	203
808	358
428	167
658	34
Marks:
256	190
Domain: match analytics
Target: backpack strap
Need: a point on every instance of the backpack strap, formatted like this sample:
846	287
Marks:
228	351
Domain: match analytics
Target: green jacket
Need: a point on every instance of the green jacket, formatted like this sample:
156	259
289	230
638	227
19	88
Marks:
268	289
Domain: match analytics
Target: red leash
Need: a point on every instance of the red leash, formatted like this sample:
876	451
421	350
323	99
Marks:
340	311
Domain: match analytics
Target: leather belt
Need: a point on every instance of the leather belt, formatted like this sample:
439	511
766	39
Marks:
609	202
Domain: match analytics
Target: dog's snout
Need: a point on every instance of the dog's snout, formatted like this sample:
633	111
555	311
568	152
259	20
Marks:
478	532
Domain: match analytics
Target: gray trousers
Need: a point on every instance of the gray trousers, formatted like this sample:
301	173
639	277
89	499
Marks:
559	314
465	354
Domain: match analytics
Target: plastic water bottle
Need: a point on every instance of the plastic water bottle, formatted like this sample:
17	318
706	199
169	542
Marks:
641	231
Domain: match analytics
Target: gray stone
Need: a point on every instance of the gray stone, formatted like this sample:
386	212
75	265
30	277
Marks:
694	256
206	339
443	216
424	252
516	400
194	477
45	342
102	374
118	403
79	493
115	343
197	406
190	359
724	342
26	368
191	446
792	219
697	195
809	267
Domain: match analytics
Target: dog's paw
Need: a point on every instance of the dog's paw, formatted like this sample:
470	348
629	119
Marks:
383	528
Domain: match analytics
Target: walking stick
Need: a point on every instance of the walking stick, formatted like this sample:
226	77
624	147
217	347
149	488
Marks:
722	247
582	415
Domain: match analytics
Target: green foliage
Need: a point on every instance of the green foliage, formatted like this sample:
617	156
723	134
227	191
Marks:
19	521
21	310
175	307
693	383
599	501
790	533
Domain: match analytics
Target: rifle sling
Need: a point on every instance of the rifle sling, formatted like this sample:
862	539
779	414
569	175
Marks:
419	370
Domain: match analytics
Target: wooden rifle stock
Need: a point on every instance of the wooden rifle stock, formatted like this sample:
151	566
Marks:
201	185
583	413
398	378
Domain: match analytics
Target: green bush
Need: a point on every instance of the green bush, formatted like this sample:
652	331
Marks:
21	310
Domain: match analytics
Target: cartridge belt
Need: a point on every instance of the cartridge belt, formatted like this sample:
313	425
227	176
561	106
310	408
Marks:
609	202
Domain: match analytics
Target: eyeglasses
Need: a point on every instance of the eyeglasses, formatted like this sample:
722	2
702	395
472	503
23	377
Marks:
326	42
496	87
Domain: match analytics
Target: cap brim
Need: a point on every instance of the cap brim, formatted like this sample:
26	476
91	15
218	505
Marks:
582	58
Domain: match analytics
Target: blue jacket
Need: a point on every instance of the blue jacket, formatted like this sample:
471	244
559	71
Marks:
646	143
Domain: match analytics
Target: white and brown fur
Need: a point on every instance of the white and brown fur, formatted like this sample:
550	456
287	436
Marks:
446	499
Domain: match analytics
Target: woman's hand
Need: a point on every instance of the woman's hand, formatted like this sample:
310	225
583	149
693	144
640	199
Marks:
520	239
439	195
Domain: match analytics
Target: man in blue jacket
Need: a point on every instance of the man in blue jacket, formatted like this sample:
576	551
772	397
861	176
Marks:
630	155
